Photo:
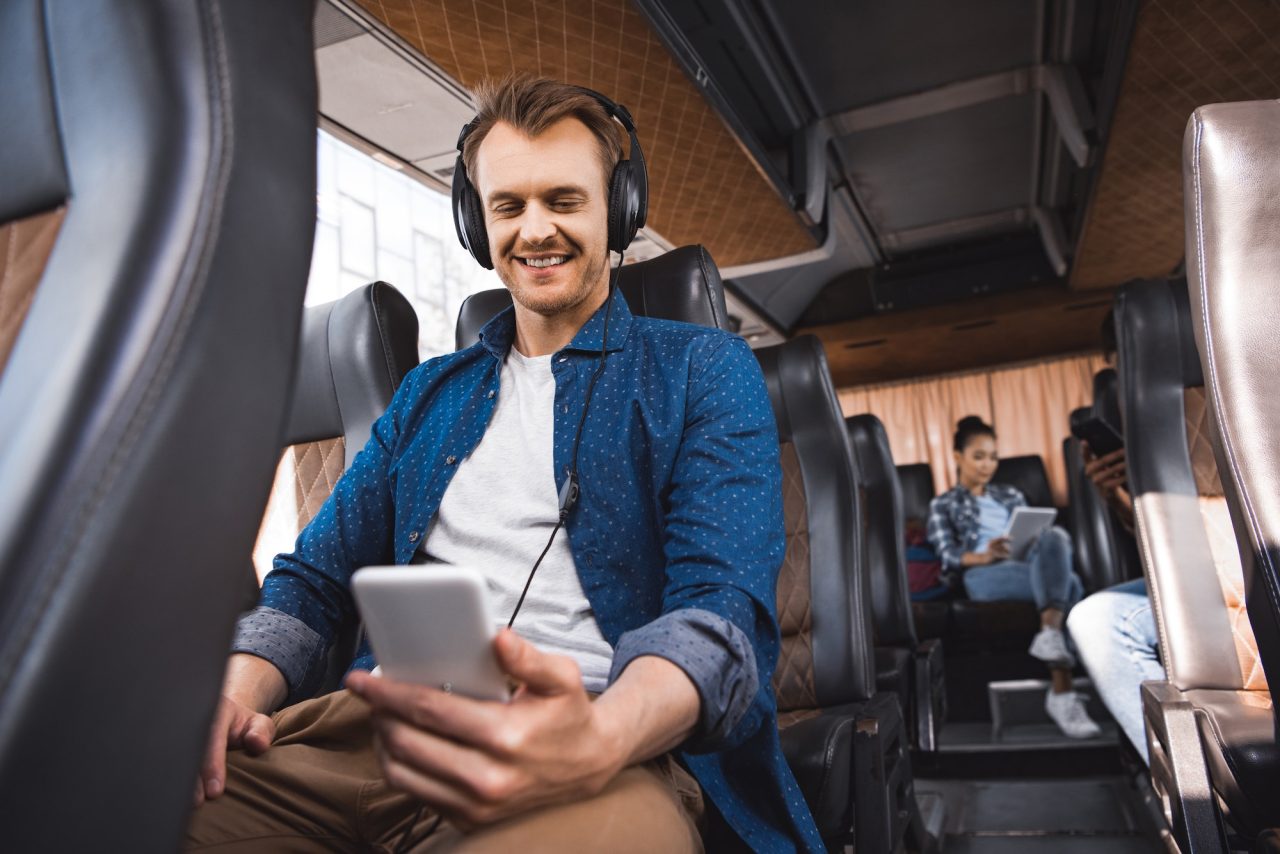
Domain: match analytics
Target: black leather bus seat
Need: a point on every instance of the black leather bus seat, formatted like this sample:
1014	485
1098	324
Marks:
1105	552
1231	179
905	666
846	743
143	396
1208	711
1029	476
352	357
683	284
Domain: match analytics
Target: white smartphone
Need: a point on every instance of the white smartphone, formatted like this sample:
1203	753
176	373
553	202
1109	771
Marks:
432	626
1025	525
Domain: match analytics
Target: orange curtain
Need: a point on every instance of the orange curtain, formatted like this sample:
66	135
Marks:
1029	406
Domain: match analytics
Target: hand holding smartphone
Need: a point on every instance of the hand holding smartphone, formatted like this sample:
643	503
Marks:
432	626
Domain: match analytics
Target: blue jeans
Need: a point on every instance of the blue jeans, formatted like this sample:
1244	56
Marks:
1045	577
1115	634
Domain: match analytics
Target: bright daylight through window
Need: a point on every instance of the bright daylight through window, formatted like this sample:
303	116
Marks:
374	223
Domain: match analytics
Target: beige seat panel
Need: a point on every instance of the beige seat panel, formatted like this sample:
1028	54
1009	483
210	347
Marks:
25	245
304	480
793	678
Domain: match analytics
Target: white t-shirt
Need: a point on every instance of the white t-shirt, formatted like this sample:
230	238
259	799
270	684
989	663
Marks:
498	512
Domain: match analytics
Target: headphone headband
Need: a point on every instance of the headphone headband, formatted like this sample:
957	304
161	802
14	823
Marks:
628	206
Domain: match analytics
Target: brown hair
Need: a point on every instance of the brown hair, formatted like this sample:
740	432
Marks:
531	105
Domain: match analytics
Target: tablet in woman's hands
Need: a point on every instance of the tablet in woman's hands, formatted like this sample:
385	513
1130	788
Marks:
432	625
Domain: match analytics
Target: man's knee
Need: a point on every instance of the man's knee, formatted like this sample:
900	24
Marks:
1093	619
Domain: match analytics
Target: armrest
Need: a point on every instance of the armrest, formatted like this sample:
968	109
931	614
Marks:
820	753
1179	774
931	694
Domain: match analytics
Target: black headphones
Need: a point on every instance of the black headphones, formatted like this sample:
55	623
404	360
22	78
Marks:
628	191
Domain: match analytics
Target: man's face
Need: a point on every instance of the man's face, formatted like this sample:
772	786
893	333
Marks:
546	211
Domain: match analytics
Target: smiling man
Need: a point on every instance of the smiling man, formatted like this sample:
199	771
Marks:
646	643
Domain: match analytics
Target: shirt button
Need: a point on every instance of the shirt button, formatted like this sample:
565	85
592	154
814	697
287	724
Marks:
491	394
564	358
451	459
413	536
565	408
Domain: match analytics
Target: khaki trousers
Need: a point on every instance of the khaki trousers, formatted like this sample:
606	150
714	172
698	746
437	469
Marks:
319	788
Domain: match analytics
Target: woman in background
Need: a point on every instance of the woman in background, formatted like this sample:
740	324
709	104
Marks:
966	528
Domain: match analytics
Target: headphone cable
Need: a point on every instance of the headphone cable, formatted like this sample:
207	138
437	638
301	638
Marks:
569	492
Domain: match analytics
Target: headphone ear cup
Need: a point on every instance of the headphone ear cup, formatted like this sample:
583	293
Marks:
475	228
623	207
468	219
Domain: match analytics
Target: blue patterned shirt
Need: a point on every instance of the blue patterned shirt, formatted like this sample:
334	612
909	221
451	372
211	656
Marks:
680	514
955	525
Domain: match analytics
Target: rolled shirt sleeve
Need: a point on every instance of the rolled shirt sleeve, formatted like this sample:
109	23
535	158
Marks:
716	656
297	650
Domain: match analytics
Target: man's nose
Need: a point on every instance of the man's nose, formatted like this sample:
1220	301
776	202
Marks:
537	225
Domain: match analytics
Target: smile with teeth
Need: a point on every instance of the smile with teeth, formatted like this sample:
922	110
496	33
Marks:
544	262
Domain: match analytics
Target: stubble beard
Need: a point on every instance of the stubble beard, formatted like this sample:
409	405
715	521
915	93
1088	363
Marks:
547	302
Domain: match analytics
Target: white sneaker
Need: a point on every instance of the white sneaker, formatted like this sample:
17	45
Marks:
1050	646
1068	712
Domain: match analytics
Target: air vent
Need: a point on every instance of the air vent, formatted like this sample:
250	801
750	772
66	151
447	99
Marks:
331	26
977	324
862	345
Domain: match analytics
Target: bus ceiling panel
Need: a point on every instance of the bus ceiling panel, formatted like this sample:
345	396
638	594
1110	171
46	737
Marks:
1182	56
374	92
850	54
782	292
33	176
944	167
707	184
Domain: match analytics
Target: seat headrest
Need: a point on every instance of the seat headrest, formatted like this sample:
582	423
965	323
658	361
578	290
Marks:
1106	397
1029	475
916	480
684	284
1158	361
353	354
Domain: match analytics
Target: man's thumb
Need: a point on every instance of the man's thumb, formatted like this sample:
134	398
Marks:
541	672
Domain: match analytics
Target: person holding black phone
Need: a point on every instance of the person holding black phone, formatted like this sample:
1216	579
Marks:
967	526
1114	630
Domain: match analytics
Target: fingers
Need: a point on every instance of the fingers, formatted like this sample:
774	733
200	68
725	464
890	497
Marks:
541	672
213	771
258	733
460	718
470	773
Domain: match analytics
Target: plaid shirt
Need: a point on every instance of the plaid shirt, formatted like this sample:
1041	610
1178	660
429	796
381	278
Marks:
953	521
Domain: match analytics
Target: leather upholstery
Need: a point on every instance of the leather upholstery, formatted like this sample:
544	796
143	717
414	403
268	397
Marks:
793	678
1190	558
683	284
1028	474
1158	364
882	529
809	419
916	483
142	405
1105	553
32	171
1238	731
354	353
25	245
1106	397
1231	176
894	672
